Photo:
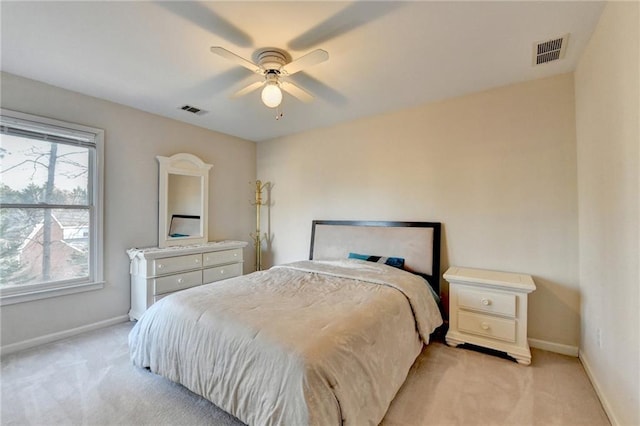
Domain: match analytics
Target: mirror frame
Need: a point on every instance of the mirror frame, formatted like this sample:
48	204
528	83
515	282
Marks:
185	165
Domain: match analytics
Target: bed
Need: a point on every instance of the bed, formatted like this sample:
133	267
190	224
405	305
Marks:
324	341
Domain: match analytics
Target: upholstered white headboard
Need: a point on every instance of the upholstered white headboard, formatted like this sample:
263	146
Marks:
417	242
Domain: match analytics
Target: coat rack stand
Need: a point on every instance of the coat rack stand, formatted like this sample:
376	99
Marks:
257	237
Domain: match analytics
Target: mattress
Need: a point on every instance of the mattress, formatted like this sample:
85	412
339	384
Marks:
310	342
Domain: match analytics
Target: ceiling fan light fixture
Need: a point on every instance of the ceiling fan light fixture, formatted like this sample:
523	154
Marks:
274	63
271	95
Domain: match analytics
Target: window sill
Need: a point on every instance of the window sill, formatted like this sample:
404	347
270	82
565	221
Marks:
37	294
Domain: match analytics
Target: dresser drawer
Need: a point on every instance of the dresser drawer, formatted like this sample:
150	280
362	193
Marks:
177	282
170	265
160	296
222	272
214	258
484	325
488	301
158	272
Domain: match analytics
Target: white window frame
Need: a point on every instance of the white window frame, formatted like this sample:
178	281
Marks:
95	280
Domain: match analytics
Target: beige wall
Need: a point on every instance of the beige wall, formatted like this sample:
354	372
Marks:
497	168
132	140
608	135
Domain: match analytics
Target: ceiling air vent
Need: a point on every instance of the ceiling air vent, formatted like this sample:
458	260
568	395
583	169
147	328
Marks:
549	50
193	110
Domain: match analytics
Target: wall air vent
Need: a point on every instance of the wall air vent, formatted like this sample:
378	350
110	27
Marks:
549	50
193	110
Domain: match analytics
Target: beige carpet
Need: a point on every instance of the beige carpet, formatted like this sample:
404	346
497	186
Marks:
88	380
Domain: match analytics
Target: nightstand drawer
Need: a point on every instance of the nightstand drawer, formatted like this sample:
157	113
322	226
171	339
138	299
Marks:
175	264
484	325
177	282
222	272
487	301
221	257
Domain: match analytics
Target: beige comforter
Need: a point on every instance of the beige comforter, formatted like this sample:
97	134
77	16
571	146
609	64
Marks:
312	342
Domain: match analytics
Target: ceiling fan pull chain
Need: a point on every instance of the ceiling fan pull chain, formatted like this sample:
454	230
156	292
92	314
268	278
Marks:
279	114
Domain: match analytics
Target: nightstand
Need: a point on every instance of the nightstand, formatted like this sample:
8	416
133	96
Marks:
489	309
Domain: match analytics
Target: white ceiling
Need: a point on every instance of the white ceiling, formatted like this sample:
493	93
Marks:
383	56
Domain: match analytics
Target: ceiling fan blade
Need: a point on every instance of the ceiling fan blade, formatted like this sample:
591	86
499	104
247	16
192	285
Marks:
200	14
354	15
318	88
221	51
296	91
305	61
248	89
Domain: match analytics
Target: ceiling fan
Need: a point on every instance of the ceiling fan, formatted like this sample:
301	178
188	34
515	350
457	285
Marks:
274	64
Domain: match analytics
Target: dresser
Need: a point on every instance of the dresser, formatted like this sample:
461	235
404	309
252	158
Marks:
489	309
158	272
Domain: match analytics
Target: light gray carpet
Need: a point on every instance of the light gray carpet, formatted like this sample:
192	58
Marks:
89	380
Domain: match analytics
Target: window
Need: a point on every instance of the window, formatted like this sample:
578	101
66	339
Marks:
50	207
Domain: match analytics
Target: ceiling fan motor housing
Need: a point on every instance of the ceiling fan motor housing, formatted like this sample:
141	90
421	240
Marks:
272	59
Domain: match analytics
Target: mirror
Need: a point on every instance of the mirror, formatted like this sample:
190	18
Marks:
183	195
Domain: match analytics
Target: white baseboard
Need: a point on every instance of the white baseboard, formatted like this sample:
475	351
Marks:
596	386
554	347
48	338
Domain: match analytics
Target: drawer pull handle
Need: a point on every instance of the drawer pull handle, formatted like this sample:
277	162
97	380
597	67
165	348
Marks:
484	326
180	280
160	266
197	260
221	271
486	302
